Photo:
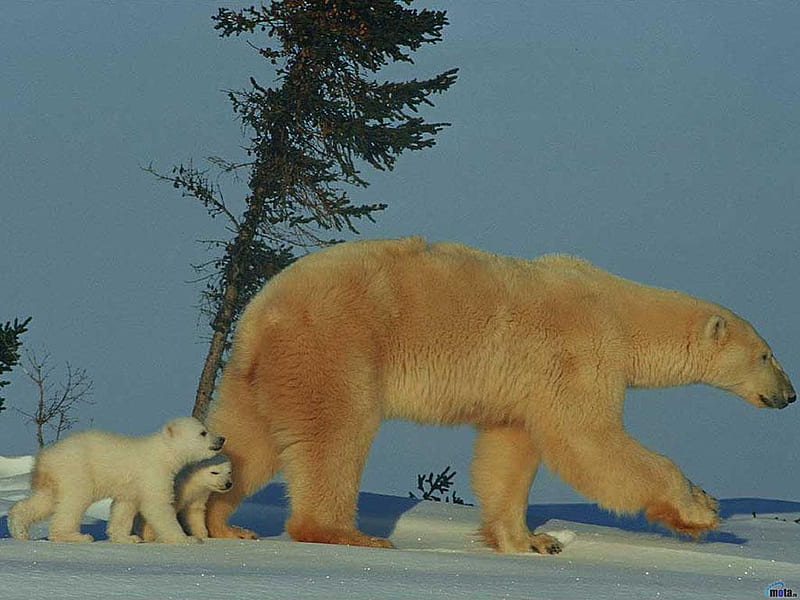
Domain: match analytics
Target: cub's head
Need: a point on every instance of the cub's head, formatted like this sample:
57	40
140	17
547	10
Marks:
739	361
213	474
189	439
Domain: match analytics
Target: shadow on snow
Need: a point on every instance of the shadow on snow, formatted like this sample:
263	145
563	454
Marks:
266	511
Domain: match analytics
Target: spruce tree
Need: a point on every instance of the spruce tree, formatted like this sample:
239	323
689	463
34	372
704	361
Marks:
9	348
308	136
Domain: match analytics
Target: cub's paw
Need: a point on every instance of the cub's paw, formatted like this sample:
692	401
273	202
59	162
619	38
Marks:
190	539
125	539
187	539
17	531
78	538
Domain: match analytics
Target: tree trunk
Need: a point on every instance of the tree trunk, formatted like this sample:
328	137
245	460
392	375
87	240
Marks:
40	420
223	320
208	378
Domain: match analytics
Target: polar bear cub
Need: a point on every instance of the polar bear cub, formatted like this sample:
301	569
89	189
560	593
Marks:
193	485
136	472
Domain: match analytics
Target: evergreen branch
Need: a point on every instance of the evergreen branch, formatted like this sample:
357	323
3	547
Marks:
307	136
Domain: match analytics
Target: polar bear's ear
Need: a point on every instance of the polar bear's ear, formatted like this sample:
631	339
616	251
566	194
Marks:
169	429
716	328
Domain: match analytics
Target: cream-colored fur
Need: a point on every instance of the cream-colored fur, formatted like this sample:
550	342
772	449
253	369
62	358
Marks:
193	485
536	354
137	472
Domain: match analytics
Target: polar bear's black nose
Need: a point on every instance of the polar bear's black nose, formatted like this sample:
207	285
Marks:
228	485
791	398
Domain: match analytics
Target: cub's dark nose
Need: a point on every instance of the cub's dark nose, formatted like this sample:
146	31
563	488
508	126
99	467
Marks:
791	398
228	485
221	440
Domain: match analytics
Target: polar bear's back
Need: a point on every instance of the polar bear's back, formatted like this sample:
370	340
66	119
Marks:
393	286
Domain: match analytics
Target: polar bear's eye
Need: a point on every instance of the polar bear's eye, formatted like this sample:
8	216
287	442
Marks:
204	433
215	472
765	357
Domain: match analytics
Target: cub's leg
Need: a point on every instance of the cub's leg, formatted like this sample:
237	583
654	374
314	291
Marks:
159	513
505	463
37	507
120	523
195	518
66	520
596	455
147	534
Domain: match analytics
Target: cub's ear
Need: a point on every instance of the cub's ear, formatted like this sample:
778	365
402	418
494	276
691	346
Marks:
716	328
170	430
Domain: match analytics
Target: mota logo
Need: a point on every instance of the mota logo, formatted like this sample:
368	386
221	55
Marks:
779	590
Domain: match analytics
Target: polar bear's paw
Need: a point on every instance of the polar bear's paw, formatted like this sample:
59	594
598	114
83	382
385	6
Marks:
233	532
693	518
518	540
543	543
700	496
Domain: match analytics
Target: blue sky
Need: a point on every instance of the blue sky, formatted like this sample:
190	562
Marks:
658	140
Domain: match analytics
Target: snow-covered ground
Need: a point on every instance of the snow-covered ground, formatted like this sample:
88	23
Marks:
437	556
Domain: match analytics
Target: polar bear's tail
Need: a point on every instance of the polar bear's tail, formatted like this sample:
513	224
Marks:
35	508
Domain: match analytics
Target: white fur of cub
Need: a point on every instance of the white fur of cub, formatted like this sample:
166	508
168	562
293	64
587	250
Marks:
193	485
136	472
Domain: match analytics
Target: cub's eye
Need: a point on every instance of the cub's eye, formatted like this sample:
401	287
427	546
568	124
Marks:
215	472
204	433
765	357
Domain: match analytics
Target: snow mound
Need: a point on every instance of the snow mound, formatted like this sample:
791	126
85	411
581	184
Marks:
15	465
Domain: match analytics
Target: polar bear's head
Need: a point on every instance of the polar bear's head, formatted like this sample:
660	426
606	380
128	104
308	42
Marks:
741	362
213	475
190	441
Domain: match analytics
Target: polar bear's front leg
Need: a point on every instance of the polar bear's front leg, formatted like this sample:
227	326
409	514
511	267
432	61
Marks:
606	464
505	463
160	515
120	522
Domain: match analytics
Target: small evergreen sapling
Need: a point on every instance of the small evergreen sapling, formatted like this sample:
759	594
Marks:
436	487
755	516
9	348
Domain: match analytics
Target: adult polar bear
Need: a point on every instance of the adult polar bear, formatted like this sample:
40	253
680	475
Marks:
535	353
